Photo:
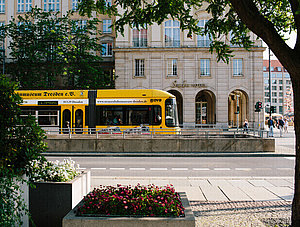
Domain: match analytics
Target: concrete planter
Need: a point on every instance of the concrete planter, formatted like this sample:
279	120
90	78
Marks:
49	202
71	220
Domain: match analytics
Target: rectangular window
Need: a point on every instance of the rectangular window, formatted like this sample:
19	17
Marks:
274	100
107	49
265	68
172	34
75	4
139	68
267	99
266	75
280	94
24	6
281	109
280	88
2	6
288	82
266	81
267	87
280	100
107	3
272	68
81	24
51	5
274	88
172	67
107	26
267	94
237	67
139	37
279	69
274	94
204	67
44	117
274	81
203	40
280	81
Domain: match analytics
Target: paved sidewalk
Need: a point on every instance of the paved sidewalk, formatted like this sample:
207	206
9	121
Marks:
215	188
227	201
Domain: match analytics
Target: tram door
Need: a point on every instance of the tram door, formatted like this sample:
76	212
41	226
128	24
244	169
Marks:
72	119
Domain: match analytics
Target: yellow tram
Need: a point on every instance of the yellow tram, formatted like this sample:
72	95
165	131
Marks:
84	111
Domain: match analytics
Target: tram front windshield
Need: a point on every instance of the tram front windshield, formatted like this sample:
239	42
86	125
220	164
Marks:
171	113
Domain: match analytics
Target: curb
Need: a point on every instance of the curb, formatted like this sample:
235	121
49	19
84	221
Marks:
254	154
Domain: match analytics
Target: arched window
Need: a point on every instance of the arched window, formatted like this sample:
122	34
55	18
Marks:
172	34
203	40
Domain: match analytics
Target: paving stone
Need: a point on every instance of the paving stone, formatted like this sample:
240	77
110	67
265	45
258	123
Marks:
285	193
260	183
231	192
212	193
183	183
281	183
193	193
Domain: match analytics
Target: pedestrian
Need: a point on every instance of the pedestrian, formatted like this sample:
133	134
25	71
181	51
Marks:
271	126
246	125
280	126
285	125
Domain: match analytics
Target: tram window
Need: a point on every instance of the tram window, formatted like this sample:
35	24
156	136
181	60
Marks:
48	117
123	115
171	116
26	113
138	115
110	115
156	115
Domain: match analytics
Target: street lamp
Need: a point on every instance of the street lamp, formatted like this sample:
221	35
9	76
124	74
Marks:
270	83
237	111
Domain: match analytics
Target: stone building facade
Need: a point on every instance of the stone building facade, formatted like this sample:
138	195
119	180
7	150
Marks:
208	92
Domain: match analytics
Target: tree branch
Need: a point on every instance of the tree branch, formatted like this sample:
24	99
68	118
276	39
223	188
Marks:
257	23
295	8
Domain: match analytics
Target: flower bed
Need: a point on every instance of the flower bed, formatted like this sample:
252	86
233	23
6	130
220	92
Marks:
138	201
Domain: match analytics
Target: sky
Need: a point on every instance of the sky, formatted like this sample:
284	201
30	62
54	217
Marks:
291	42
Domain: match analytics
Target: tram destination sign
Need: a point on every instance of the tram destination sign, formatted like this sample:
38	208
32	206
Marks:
48	103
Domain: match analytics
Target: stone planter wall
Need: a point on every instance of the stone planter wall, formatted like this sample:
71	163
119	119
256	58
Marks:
70	220
160	145
49	202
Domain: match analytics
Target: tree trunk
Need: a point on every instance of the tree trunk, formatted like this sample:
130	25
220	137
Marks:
296	201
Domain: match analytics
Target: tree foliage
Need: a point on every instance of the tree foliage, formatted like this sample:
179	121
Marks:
46	46
268	19
21	141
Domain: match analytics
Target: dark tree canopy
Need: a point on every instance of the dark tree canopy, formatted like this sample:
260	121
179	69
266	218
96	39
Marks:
268	19
46	48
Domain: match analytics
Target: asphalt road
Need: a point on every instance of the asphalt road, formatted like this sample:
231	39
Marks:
192	166
187	167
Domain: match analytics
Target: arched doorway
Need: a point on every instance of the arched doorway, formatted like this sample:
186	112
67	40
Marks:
179	101
205	108
237	108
